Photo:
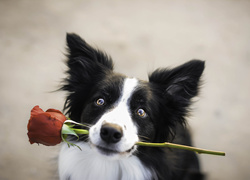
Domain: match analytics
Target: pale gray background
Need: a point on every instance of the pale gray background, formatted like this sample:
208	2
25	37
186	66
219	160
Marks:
140	36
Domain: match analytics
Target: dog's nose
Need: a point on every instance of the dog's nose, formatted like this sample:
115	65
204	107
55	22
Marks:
111	133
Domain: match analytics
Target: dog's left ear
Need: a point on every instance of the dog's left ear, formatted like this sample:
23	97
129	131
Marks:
182	81
175	88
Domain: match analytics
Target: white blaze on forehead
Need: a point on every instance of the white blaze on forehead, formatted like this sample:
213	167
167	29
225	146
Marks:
128	88
120	114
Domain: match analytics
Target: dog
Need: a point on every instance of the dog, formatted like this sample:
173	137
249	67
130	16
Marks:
120	111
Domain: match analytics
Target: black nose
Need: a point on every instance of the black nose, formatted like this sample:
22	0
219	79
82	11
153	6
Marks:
111	133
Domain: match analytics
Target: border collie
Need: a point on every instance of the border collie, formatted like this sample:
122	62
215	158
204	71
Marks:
121	111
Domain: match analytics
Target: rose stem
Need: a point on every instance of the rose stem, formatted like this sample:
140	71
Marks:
80	131
172	145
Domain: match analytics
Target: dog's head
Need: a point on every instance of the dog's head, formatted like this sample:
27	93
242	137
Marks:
122	110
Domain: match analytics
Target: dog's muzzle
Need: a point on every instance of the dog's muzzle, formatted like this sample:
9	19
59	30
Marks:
111	133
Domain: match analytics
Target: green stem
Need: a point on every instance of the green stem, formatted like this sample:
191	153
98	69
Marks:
177	146
80	131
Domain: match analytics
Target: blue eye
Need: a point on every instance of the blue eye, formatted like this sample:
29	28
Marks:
100	102
141	113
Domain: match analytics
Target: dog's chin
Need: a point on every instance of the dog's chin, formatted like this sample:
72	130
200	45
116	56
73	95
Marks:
113	153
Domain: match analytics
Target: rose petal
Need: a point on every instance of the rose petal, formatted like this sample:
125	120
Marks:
45	127
36	110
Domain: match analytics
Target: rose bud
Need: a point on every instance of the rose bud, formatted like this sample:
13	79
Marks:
45	127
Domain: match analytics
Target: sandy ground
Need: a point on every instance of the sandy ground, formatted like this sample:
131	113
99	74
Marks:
140	36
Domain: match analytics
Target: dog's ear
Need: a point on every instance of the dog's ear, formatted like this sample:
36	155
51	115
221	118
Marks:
86	66
175	88
83	54
182	81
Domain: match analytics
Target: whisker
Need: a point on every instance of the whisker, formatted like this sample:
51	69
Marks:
83	137
143	138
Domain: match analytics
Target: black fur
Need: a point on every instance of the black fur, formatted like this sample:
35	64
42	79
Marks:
166	97
86	67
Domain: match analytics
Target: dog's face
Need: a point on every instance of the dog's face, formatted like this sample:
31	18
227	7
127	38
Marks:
117	112
120	110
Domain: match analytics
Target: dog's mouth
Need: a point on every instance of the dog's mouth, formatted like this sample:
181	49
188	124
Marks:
109	152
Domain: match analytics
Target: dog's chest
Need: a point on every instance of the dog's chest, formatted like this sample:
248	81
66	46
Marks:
87	164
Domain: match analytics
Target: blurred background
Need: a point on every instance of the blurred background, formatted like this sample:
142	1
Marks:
141	36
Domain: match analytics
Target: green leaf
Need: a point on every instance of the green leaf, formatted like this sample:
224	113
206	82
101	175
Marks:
67	130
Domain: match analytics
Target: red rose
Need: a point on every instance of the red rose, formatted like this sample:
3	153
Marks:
45	127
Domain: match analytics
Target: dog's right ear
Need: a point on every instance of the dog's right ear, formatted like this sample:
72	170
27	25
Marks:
87	66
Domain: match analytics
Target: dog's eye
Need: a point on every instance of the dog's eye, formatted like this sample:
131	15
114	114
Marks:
141	113
100	101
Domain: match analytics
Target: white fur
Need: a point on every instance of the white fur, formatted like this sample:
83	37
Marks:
121	116
88	164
